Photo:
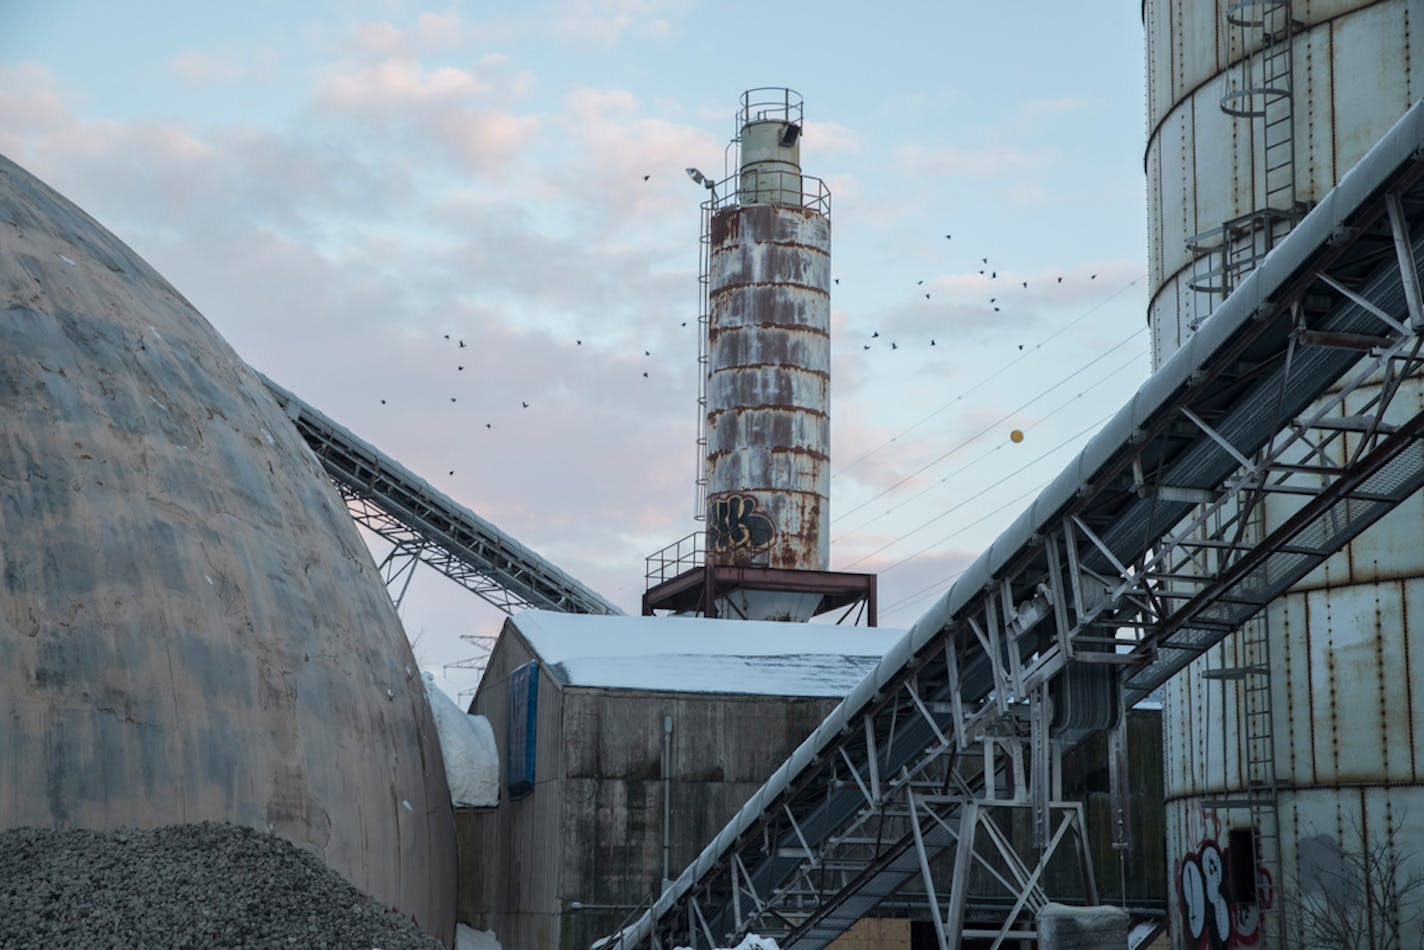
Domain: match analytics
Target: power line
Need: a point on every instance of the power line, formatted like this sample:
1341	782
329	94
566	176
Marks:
1137	354
992	376
997	422
979	494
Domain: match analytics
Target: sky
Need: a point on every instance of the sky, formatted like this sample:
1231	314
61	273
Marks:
338	186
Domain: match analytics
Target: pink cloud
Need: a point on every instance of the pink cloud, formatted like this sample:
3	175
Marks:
398	83
222	69
606	22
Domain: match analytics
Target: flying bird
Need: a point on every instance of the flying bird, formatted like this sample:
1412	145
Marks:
1092	276
894	345
459	368
919	282
646	177
646	353
875	334
985	259
645	375
837	280
932	342
948	237
684	323
1060	280
994	275
524	404
488	426
452	398
452	471
447	336
579	342
1025	283
927	296
867	346
462	344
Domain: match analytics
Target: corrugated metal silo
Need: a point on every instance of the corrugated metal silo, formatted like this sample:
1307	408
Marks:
1295	746
768	372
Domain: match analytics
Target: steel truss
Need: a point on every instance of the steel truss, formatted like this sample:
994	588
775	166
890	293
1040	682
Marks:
1135	561
424	525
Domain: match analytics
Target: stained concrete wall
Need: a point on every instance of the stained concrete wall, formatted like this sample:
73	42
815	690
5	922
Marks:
190	626
591	832
509	855
1085	779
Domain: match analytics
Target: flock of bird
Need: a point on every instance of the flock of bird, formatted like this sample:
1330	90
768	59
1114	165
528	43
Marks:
985	270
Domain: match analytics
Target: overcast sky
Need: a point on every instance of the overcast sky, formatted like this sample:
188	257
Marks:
337	186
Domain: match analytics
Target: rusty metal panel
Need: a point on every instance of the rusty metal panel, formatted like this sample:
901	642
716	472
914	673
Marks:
1198	27
190	626
1372	77
768	388
1155	17
1315	165
1177	142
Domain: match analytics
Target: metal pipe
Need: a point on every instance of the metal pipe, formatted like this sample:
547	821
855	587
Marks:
667	798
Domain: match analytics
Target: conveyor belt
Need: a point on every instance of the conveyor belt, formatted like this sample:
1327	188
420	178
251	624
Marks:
1142	532
404	509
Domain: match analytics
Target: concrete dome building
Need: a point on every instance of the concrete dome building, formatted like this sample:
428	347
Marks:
191	627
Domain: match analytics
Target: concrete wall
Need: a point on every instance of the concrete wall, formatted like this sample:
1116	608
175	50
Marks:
509	855
591	833
1085	779
723	748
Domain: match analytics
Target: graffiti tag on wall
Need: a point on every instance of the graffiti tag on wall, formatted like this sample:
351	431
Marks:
733	524
1211	919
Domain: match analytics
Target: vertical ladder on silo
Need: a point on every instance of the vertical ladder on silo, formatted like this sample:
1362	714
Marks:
704	326
1261	777
1260	86
1258	759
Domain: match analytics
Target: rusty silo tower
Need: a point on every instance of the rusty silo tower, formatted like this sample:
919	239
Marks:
766	375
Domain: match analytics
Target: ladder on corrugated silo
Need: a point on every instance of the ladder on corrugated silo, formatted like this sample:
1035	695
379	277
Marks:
1260	87
704	327
1258	762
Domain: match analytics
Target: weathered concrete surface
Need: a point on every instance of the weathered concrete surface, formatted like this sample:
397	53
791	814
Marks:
190	626
1061	927
564	866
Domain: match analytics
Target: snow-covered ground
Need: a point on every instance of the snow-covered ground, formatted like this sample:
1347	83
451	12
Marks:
467	938
751	942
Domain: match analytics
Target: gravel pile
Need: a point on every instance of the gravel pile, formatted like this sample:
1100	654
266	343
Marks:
197	886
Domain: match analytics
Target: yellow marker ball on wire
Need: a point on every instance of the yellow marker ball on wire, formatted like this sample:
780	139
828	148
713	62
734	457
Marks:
1016	435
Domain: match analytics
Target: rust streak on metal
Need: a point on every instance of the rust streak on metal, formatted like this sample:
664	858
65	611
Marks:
770	407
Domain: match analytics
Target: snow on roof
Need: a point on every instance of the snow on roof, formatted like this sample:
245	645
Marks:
695	655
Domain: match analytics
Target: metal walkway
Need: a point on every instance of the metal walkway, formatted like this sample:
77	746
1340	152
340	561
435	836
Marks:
424	524
1135	560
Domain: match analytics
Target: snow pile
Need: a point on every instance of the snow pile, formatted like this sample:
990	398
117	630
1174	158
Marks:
697	655
468	938
209	885
1082	928
751	942
467	745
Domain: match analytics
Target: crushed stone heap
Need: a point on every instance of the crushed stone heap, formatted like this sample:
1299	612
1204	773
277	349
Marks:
207	885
